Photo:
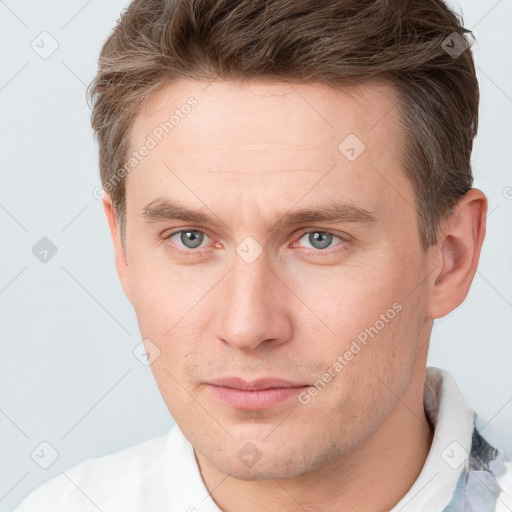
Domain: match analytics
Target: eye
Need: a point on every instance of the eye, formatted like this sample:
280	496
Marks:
190	238
319	240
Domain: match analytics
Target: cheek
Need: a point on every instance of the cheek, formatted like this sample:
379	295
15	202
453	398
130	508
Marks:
344	301
369	315
162	293
172	307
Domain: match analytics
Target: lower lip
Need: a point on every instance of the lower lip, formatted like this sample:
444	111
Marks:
256	399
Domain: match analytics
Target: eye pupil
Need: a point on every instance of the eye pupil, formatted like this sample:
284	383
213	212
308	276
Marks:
320	239
191	239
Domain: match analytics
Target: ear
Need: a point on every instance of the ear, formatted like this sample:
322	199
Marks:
456	254
120	255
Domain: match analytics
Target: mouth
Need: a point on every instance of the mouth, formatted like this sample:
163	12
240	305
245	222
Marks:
263	393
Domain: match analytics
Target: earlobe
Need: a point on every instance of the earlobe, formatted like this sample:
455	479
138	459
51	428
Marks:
460	240
120	255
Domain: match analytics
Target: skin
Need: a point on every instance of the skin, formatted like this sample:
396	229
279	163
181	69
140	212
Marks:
247	154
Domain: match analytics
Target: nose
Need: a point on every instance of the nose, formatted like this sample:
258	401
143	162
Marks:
253	307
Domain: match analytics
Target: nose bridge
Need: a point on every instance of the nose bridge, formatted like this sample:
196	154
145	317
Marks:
252	311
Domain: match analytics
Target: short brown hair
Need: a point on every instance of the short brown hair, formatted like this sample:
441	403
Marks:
406	43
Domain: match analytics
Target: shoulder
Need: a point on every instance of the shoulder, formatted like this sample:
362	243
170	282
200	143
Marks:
112	481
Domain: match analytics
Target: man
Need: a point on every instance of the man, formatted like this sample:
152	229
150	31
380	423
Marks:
288	189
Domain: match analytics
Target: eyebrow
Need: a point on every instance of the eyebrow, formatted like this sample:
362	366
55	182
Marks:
163	209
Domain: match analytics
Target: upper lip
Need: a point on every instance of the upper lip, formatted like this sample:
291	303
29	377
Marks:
258	384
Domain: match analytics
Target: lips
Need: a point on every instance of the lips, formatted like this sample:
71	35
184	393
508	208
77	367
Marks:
262	393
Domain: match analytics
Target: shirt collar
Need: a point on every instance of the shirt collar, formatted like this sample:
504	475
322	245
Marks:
448	457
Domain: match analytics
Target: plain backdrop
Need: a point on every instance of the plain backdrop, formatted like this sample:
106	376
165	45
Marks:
68	374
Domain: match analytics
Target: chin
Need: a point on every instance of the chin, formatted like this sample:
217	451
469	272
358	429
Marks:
251	463
271	469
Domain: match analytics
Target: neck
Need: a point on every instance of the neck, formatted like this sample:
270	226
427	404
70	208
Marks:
387	463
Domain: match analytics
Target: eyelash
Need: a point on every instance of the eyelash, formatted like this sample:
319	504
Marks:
193	252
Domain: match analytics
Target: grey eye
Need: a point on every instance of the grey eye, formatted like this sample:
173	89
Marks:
320	239
191	239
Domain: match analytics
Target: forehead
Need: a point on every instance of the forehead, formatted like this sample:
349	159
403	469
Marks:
257	111
262	139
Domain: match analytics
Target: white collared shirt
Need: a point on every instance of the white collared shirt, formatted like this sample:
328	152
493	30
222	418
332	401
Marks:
162	474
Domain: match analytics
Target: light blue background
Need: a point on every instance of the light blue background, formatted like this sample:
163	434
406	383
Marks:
68	375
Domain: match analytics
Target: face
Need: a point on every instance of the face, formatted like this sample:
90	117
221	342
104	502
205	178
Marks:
271	234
